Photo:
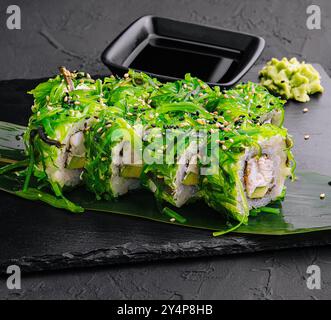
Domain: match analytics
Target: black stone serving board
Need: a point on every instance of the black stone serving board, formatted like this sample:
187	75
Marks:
38	237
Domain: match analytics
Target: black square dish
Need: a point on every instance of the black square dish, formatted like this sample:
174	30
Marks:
167	49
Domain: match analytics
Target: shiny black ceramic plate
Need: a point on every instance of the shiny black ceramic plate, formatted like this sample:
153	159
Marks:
168	49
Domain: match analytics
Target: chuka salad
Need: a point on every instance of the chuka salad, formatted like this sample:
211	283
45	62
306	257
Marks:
184	141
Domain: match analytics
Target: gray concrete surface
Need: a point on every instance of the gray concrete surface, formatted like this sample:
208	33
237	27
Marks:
73	33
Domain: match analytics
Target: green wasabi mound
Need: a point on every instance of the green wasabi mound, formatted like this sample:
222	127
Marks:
291	79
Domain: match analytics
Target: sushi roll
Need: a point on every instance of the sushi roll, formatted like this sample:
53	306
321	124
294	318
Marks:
114	152
173	149
253	165
174	180
114	157
63	109
249	101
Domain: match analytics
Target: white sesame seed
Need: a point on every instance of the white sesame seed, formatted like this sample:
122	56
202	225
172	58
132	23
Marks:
322	196
172	220
305	110
126	75
201	121
306	137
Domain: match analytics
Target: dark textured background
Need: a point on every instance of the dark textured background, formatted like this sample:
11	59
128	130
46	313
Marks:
73	33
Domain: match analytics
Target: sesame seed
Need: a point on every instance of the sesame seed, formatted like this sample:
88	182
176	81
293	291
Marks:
172	220
305	110
306	137
322	196
201	121
99	129
231	140
126	75
224	147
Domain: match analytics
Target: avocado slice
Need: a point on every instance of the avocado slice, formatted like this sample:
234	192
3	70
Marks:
131	171
259	192
191	179
76	163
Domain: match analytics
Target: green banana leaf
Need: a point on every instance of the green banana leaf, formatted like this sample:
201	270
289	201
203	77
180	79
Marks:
302	210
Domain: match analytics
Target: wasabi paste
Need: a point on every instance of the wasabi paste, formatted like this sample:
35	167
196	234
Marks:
291	79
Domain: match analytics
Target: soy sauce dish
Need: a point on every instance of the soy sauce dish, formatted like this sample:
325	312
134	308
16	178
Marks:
168	49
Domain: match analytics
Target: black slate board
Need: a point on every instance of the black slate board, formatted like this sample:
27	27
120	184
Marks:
38	237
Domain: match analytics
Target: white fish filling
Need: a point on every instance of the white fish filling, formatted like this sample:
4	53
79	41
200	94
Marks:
264	177
259	174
